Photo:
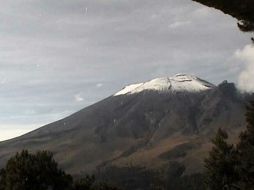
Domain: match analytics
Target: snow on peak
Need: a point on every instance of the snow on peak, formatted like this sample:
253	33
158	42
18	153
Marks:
180	82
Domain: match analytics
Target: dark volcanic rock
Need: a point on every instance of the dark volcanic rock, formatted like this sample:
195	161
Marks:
137	128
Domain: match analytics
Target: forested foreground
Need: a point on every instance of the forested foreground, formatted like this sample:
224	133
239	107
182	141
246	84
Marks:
30	171
231	166
39	171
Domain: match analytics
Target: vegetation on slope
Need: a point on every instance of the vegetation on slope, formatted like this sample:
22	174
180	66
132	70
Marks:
229	166
27	171
232	166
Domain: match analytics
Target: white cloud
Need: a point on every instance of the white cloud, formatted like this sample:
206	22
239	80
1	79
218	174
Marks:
78	98
203	12
246	77
99	85
177	24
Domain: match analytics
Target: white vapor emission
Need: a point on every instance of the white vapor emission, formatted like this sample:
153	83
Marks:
246	77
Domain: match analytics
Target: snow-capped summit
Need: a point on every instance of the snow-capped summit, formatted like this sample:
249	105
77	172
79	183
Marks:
179	82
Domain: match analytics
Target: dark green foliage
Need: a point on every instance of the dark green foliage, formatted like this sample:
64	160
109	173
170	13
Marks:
128	177
175	180
221	165
190	182
104	186
89	183
2	179
243	10
85	183
38	171
168	178
233	167
246	151
173	173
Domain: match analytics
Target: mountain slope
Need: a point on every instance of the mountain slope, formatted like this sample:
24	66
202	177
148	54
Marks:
156	122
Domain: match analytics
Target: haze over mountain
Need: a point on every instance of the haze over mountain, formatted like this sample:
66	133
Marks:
147	124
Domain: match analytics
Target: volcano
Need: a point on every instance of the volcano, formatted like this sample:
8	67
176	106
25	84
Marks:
146	124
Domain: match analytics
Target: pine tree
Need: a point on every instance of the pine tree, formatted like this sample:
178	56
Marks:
246	151
221	164
26	171
85	183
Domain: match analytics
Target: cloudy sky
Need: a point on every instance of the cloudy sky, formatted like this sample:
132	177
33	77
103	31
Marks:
57	57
